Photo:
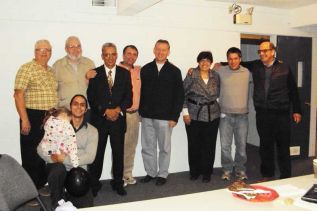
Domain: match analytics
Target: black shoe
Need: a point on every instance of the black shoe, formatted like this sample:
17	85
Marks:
193	177
147	179
113	185
206	179
160	181
121	191
118	188
96	189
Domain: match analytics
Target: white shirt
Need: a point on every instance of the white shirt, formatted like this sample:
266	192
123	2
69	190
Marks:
159	66
113	72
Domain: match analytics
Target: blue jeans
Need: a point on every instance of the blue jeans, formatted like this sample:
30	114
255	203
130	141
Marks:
237	125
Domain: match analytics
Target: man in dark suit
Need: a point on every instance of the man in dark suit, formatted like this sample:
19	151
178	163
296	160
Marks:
109	95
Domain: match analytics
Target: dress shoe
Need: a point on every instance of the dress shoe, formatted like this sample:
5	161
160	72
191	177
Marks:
121	191
44	191
113	185
95	189
160	181
147	179
206	179
118	188
193	177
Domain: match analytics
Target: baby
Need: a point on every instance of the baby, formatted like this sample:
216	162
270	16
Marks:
59	134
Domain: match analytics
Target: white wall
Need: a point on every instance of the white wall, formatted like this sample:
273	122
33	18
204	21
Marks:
189	25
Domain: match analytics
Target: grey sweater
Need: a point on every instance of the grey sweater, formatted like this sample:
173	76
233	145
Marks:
87	141
234	89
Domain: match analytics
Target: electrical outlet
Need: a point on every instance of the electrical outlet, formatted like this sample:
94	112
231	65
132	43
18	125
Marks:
295	150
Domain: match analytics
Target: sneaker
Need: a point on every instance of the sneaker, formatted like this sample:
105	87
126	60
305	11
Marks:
241	175
33	203
226	175
129	181
44	191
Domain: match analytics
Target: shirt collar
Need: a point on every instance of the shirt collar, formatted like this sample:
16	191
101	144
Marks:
269	65
83	124
126	67
108	69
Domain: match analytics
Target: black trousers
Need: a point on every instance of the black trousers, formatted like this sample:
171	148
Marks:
56	179
202	138
116	132
274	131
33	164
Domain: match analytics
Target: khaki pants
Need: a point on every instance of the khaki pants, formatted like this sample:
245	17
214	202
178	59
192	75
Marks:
130	143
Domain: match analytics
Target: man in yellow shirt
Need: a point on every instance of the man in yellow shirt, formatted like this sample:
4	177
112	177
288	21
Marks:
35	92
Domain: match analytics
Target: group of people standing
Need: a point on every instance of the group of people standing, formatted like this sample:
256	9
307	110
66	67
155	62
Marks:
112	98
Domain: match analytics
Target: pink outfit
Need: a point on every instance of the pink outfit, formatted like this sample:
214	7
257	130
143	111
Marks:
60	137
136	86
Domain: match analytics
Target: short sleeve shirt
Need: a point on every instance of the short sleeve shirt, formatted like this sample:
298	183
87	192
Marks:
39	85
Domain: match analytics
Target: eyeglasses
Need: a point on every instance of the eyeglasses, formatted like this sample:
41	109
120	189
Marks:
107	55
264	50
74	46
43	50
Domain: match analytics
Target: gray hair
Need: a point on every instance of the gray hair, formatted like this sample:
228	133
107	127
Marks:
108	45
39	42
71	38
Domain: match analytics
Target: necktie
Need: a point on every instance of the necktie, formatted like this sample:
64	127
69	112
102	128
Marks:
110	81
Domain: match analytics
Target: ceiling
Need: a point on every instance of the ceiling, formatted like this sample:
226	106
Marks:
283	4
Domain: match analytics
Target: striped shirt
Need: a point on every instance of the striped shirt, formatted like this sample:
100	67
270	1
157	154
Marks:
39	85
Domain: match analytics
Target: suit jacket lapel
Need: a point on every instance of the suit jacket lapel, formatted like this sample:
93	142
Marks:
202	83
117	78
103	78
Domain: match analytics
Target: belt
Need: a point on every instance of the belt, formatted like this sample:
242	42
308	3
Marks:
200	104
208	104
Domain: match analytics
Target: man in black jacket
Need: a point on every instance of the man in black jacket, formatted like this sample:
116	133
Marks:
109	95
275	96
162	98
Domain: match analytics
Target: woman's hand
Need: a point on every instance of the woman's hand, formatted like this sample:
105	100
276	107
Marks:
187	119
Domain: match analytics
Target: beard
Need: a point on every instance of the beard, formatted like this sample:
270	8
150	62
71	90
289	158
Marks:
73	57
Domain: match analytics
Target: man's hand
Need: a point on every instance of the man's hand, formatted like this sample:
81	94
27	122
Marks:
190	71
90	74
187	119
217	66
297	117
172	123
25	127
112	114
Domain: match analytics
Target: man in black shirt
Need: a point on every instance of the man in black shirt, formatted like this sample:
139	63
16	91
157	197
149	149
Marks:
162	98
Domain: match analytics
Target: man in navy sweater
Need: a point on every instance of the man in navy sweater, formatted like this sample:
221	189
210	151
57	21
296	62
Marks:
162	98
